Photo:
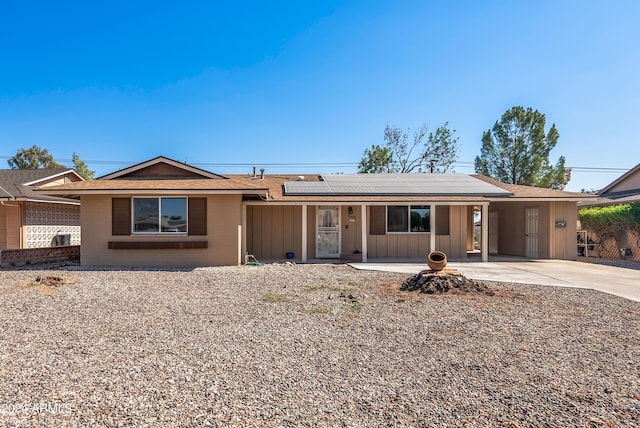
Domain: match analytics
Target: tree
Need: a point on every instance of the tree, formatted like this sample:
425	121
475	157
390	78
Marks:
435	152
33	158
39	158
516	151
376	159
81	168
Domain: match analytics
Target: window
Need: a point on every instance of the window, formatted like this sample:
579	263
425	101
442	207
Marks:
159	215
414	218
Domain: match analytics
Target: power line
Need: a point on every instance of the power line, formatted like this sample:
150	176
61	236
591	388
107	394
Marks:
462	164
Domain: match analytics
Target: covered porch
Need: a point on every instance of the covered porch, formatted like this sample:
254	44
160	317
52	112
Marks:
360	232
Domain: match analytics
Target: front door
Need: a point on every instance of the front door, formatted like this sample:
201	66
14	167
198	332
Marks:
532	233
328	231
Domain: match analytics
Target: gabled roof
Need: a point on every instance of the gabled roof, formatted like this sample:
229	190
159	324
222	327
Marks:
623	190
611	187
161	168
17	183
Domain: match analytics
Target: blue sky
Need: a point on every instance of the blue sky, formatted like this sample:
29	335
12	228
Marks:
294	83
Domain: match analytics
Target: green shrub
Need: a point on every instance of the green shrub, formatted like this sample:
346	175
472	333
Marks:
606	221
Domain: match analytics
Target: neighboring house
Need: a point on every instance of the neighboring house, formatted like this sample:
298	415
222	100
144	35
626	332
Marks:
626	243
165	213
623	190
36	220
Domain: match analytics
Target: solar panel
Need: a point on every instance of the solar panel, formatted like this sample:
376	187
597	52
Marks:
437	184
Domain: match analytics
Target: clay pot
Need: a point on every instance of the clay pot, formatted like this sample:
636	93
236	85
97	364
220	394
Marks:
437	260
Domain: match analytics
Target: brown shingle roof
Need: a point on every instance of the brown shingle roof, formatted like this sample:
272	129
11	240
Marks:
12	183
128	186
520	191
248	184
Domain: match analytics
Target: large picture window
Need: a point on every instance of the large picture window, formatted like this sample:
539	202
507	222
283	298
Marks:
412	218
159	215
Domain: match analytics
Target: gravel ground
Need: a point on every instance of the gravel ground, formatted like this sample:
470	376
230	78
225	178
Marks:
312	345
629	264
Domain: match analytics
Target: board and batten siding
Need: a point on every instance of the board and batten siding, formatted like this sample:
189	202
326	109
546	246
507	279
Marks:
221	215
563	239
451	236
10	226
274	231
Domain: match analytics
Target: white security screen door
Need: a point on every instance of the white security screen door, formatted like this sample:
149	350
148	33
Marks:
532	236
328	231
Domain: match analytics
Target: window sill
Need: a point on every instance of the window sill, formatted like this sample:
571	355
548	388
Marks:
157	245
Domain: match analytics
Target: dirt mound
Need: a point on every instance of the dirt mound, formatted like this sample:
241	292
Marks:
446	281
50	281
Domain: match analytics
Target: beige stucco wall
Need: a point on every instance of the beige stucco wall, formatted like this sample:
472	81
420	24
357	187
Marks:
223	219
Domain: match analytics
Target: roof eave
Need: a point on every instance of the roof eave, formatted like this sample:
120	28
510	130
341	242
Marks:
49	177
80	192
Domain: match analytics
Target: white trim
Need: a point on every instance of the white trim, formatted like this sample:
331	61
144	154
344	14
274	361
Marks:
49	177
155	161
71	202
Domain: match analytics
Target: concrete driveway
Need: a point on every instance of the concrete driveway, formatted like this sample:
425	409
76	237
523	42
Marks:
621	282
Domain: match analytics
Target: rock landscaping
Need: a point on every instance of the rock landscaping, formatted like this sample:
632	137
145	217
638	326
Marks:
310	346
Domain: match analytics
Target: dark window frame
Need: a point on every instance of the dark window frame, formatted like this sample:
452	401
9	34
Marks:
159	231
408	224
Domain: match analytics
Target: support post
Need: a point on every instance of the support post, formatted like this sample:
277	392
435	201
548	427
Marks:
240	233
304	233
484	245
432	228
365	229
243	234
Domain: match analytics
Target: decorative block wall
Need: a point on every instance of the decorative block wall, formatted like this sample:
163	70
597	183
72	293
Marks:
44	221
